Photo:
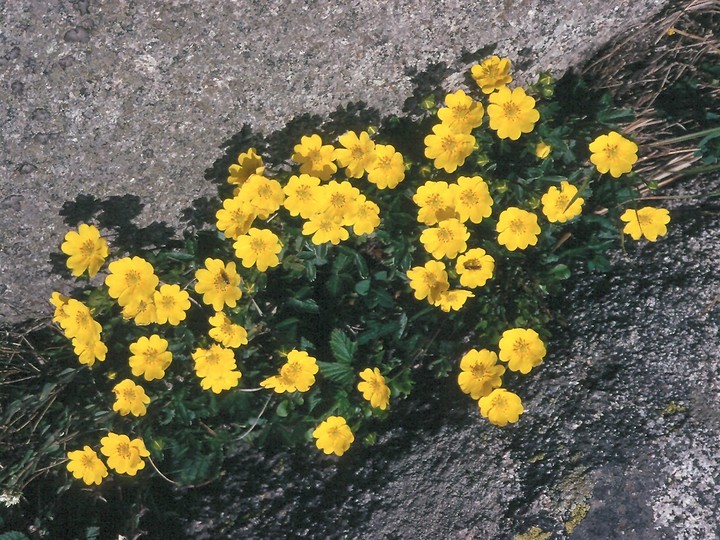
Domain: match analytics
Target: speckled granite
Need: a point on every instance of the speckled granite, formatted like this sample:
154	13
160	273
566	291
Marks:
120	96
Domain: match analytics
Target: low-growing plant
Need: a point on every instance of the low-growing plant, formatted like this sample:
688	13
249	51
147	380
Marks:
330	277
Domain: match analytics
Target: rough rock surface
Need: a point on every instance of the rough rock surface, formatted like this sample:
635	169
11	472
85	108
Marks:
110	97
619	439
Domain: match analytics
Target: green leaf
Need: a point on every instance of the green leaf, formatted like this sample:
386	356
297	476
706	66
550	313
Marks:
306	306
282	409
342	347
616	116
13	535
363	287
337	372
560	271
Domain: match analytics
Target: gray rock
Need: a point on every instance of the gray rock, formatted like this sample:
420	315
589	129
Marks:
139	95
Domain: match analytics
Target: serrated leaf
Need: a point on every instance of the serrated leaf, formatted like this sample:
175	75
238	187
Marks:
342	347
337	372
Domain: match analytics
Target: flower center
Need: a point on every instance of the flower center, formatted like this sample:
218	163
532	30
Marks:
611	151
517	226
491	71
472	264
512	111
87	248
434	200
88	461
338	200
264	192
132	278
445	235
128	394
499	402
478	371
469	197
521	347
448	144
303	193
212	358
168	302
561	203
384	162
123	450
357	153
258	245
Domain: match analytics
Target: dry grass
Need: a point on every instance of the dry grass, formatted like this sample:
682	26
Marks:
641	66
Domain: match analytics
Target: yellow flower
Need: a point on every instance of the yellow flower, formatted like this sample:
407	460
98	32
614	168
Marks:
263	194
59	301
556	203
220	380
480	373
374	389
518	229
86	465
259	248
614	153
474	267
86	250
296	375
446	240
542	150
325	228
171	303
447	148
248	163
315	158
648	222
89	347
341	201
357	154
216	358
491	74
303	196
429	281
141	310
218	283
130	279
124	455
388	169
333	436
436	202
228	334
522	349
235	217
501	407
472	198
462	114
216	368
453	300
367	217
150	357
78	321
512	113
130	398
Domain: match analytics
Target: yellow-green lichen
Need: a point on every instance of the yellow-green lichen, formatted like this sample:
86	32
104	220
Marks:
536	533
578	514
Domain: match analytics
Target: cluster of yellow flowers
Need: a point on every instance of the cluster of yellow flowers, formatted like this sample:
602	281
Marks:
481	375
124	456
330	208
78	324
